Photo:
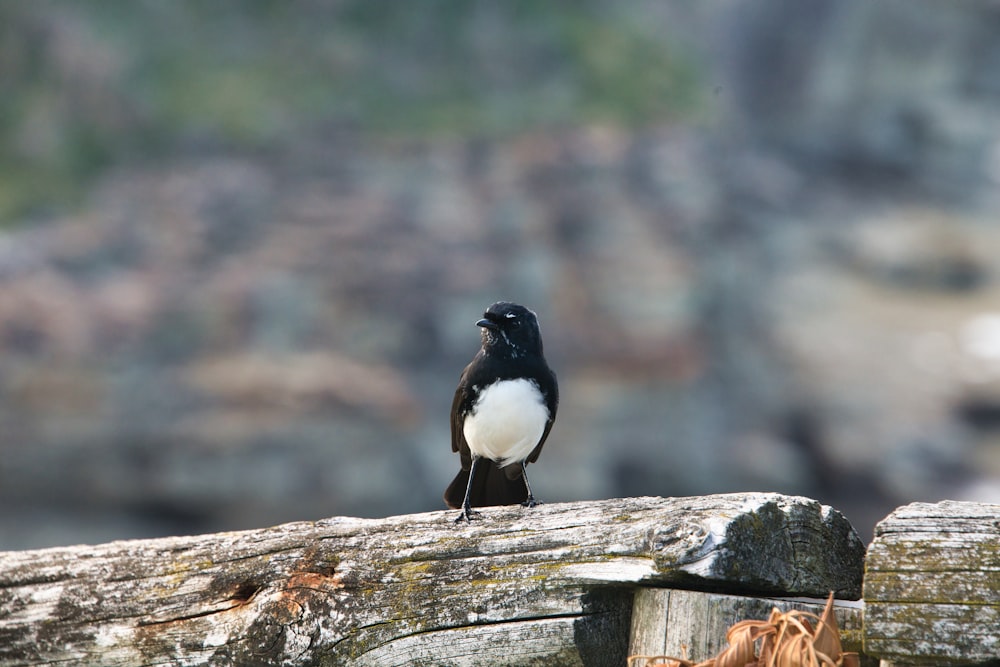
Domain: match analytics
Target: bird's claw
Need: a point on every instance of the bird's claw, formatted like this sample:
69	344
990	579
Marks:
467	515
531	502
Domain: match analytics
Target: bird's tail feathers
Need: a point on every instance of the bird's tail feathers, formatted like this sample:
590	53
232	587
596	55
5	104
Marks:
492	485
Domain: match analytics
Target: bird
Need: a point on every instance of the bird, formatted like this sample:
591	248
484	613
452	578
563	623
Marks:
503	411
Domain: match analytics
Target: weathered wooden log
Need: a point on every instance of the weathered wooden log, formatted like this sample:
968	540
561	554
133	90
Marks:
552	583
932	586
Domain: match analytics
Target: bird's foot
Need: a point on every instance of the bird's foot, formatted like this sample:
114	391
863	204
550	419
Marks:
467	515
531	502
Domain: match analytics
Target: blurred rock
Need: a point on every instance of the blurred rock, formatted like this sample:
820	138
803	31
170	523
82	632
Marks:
798	295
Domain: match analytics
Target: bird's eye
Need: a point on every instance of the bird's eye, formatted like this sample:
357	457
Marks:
516	324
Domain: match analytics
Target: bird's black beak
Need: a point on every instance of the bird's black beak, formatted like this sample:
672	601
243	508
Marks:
486	324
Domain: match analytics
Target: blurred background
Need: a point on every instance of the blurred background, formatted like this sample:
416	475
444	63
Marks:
243	246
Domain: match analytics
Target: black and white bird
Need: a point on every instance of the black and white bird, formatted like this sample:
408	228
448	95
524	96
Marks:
503	411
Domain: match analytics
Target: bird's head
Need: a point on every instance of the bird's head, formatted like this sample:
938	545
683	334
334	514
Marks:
510	330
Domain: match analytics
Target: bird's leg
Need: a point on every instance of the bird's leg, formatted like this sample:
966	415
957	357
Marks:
530	502
467	513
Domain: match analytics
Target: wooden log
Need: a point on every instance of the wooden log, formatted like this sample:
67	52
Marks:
932	586
553	584
692	625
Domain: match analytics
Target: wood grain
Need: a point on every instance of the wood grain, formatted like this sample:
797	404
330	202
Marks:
555	581
932	584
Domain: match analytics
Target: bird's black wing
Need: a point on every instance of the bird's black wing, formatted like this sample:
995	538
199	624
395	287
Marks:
460	407
549	387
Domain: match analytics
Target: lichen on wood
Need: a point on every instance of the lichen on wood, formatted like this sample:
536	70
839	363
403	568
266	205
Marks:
932	584
346	591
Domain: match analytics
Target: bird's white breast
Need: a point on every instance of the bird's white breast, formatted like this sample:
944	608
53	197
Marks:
507	421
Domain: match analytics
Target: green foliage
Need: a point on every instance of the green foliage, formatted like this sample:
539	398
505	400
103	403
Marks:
88	85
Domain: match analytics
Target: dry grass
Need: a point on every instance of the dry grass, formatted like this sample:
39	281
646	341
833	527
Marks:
783	640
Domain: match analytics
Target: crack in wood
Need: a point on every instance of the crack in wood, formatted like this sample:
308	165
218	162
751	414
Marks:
188	617
243	595
575	616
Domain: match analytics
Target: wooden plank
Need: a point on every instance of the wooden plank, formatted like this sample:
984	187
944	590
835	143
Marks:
932	585
902	587
543	641
556	579
693	625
